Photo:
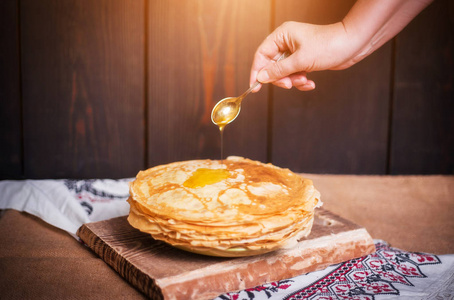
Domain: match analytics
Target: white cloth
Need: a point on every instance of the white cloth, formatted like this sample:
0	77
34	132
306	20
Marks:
67	204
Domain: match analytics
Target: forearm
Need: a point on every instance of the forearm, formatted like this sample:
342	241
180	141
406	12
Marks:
371	23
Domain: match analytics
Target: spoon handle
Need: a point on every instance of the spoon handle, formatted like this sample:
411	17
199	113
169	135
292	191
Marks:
248	91
284	55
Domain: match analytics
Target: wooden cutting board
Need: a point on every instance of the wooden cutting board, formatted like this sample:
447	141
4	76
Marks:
161	271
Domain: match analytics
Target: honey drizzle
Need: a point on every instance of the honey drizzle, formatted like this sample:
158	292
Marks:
221	130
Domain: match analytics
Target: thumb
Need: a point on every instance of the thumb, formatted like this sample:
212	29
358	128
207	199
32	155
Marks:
277	70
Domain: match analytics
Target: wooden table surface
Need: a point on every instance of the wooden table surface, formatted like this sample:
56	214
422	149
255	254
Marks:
413	213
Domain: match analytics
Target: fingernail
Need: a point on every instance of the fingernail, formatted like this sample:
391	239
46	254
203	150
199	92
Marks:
263	76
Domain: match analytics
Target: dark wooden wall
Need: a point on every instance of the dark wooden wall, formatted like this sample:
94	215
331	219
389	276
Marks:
342	125
105	88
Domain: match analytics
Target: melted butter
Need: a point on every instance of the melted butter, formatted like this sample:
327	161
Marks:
203	176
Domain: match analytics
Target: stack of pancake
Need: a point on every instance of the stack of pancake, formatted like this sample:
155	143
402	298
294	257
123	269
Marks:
237	207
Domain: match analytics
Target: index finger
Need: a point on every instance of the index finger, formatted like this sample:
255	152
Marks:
266	53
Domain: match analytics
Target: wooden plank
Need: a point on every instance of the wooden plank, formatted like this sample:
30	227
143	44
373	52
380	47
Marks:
423	112
341	126
83	89
10	106
161	271
199	53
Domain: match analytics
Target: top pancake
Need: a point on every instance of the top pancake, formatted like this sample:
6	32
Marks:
239	191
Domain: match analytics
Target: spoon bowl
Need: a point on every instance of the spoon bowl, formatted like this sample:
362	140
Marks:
225	111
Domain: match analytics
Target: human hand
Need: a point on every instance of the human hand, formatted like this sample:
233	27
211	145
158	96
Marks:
312	48
367	26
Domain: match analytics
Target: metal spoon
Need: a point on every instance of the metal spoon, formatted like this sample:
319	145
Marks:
227	109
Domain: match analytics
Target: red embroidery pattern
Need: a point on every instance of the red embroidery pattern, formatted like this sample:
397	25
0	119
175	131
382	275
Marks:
365	277
362	278
268	289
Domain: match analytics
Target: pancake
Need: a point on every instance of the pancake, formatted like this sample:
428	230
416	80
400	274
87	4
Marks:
236	208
